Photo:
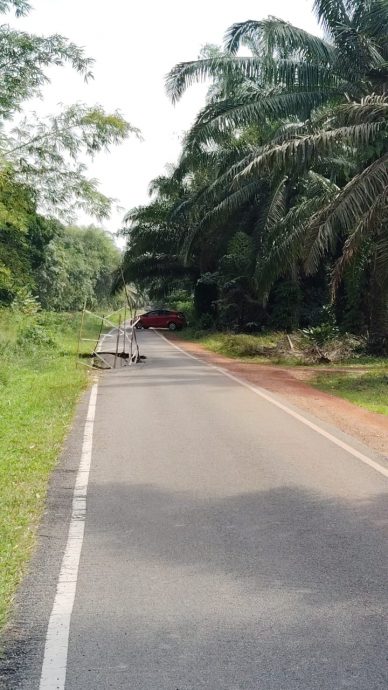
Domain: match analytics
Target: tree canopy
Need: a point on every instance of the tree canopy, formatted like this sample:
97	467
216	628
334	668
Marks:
279	197
43	175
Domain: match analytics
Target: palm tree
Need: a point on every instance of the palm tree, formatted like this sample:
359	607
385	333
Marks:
330	94
290	71
151	259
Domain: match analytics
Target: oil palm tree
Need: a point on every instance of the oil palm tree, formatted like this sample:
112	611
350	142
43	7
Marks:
289	71
328	98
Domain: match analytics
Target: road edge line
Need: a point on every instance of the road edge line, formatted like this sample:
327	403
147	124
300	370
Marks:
53	675
261	393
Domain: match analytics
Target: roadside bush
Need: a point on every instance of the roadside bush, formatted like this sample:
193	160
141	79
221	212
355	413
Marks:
282	348
243	345
325	344
36	336
25	303
319	335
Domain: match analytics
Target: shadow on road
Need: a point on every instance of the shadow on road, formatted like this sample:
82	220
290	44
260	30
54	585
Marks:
283	586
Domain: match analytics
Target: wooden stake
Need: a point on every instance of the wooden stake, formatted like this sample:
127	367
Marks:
125	334
80	333
99	335
117	343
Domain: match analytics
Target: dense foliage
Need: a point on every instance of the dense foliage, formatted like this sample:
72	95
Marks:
42	180
78	268
276	212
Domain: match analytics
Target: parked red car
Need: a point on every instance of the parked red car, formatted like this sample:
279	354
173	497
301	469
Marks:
162	318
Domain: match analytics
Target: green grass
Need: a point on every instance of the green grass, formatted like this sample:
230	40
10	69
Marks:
369	389
262	349
39	386
250	348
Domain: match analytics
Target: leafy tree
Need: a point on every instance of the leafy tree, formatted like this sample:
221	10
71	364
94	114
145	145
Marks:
78	266
25	57
44	154
40	169
23	235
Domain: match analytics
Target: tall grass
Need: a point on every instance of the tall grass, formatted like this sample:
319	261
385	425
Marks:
39	386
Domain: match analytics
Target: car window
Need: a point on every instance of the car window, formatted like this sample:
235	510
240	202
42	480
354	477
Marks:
151	313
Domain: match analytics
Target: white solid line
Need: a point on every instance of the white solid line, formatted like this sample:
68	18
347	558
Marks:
260	392
53	675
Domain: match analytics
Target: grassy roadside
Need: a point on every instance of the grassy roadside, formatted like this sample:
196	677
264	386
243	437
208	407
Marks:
250	348
366	389
39	386
361	380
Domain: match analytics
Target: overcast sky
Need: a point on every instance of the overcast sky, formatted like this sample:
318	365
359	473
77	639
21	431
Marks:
134	44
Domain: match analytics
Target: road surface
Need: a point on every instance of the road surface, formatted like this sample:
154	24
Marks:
227	545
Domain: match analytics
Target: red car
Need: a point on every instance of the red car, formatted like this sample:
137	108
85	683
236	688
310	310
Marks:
162	318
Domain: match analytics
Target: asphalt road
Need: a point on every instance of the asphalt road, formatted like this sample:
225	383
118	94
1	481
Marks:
227	545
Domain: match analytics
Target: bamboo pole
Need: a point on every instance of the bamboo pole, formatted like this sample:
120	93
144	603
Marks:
99	335
80	333
124	327
117	343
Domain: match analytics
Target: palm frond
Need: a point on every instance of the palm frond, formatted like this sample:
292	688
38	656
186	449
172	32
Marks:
299	153
357	52
211	194
289	130
284	241
277	205
280	255
365	229
372	108
153	265
231	203
185	74
232	114
332	15
371	18
346	210
272	35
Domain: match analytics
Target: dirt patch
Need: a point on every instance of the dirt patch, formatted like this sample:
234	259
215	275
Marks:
290	382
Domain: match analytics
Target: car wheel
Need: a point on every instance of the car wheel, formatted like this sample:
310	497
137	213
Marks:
172	326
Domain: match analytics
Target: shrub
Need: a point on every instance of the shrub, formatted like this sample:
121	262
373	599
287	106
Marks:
319	335
25	303
36	336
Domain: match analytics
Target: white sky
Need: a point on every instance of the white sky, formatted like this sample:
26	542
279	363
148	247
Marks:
135	43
